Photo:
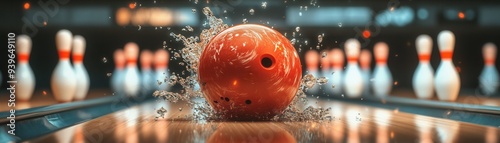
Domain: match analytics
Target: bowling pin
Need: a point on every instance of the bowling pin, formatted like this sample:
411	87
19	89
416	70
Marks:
312	61
24	75
423	78
382	77
132	83
488	80
118	75
337	59
82	77
326	71
147	80
353	81
162	76
365	59
63	81
447	81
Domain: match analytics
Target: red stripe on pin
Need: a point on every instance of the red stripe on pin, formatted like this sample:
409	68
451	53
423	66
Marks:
131	61
446	54
64	54
120	66
352	59
23	57
365	65
489	62
77	58
381	61
160	65
424	57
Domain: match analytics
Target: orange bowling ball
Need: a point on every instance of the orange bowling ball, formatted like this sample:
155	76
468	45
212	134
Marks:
249	72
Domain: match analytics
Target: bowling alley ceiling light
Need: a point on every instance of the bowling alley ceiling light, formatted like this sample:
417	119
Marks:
26	6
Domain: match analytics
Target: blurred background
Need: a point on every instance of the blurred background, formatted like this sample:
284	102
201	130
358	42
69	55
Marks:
108	25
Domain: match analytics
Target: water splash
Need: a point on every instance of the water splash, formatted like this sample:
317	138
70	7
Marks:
202	111
263	5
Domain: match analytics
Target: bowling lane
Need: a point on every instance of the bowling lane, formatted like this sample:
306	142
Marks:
466	96
46	98
350	123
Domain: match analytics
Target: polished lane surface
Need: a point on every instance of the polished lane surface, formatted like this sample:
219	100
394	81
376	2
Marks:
350	123
46	98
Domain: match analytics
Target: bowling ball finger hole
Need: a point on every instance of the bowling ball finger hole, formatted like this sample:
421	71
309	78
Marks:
267	61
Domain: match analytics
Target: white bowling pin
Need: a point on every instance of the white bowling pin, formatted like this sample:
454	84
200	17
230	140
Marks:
447	81
147	80
24	75
326	71
132	83
423	78
162	76
337	59
353	81
118	75
82	77
365	59
63	81
382	77
312	61
488	80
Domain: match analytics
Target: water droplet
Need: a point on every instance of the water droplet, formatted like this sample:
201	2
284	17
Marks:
340	24
109	74
245	20
251	11
322	80
193	10
189	28
297	29
300	13
263	5
139	27
323	54
104	60
320	38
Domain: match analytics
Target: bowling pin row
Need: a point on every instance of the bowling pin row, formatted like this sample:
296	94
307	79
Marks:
126	79
446	81
356	79
68	82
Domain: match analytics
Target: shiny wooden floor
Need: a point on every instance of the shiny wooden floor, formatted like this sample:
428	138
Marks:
46	98
351	123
